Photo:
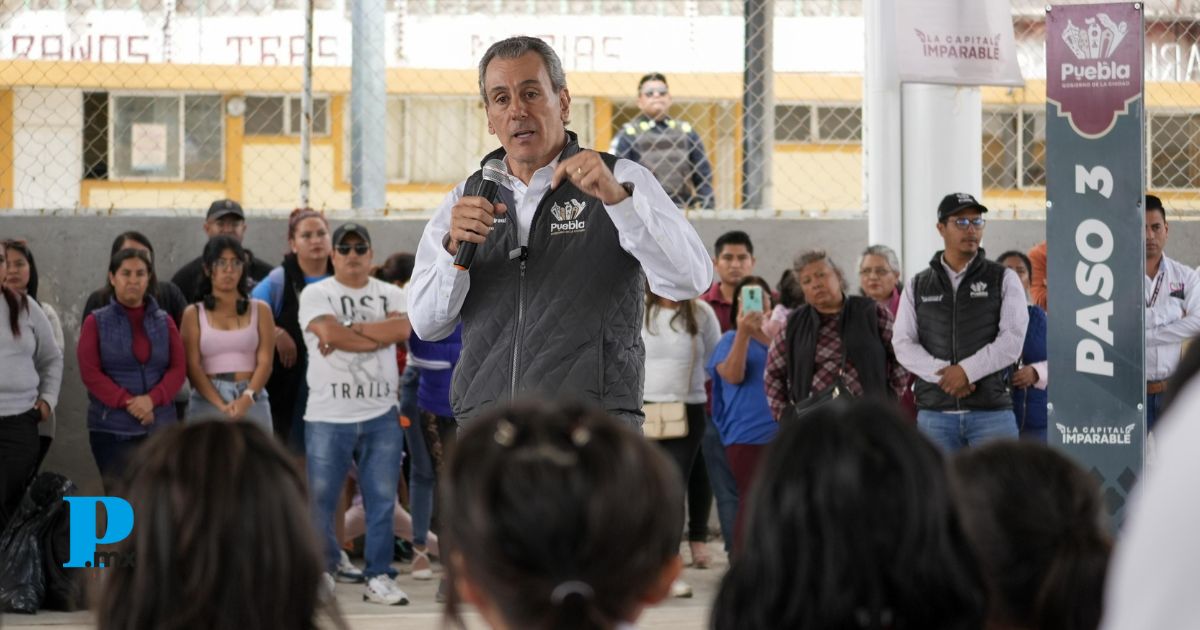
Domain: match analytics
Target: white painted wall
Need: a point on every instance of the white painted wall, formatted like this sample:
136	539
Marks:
48	147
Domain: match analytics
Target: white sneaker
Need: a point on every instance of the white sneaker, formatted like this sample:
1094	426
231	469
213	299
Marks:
382	589
679	588
421	559
325	591
347	572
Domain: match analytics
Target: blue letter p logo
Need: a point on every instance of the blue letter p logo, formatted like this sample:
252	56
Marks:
83	527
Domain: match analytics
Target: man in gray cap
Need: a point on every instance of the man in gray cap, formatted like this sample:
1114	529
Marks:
960	325
225	217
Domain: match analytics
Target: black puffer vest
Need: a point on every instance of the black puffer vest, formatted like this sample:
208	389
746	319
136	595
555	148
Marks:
858	324
560	318
953	326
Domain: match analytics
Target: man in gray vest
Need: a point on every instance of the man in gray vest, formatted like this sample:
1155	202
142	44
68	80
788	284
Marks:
670	148
960	326
552	303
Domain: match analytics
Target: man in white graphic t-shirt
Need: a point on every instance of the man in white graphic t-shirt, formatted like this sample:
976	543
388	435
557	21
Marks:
352	323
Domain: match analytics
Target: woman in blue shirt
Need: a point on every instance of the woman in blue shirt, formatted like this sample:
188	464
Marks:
739	399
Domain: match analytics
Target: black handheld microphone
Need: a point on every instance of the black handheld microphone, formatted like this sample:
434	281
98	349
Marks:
494	172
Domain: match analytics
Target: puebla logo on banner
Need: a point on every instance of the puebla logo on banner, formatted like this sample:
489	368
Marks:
1097	82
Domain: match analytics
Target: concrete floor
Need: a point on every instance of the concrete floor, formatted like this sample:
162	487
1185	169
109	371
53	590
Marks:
423	613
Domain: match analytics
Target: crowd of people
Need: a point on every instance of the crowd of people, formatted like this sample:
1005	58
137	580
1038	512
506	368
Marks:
860	443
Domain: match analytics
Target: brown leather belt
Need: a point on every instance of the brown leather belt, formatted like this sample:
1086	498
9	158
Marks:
1156	387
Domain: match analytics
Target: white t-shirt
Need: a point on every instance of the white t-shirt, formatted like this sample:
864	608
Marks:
675	360
347	387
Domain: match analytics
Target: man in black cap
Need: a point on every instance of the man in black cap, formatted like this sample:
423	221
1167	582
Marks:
352	323
225	217
960	325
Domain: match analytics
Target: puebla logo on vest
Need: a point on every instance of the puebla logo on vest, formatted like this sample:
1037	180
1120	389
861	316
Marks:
979	289
566	218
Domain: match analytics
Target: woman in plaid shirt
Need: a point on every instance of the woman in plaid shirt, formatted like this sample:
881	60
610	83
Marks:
806	358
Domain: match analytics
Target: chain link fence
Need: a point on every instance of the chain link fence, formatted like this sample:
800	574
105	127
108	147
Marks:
165	105
1014	121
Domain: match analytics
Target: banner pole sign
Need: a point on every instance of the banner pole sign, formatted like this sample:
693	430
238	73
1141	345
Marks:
1095	180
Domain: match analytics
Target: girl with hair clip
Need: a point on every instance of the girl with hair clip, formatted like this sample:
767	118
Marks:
32	378
222	540
1037	522
229	339
22	277
534	497
852	526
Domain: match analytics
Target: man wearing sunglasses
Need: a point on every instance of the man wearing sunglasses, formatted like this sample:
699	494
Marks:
960	325
670	148
352	323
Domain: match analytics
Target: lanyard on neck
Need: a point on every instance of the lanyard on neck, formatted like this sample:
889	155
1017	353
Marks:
1157	285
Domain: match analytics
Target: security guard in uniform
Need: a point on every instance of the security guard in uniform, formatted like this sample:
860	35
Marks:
670	148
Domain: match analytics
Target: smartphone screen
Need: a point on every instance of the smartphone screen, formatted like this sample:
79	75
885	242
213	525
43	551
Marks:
752	299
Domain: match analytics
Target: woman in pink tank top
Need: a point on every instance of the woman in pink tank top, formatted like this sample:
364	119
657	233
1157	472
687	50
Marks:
229	339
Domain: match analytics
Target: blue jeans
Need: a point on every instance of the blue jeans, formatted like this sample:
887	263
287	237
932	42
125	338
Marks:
259	413
377	446
420	472
1153	409
112	452
723	484
954	431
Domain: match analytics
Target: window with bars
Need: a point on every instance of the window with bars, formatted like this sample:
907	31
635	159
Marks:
805	123
280	115
441	139
153	137
1014	149
1174	156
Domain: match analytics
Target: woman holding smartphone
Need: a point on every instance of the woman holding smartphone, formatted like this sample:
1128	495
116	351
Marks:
834	344
739	400
679	337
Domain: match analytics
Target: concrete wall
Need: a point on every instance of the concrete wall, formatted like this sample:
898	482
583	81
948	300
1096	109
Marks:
72	255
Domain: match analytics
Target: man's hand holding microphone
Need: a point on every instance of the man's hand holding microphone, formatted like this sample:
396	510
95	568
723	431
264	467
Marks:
474	216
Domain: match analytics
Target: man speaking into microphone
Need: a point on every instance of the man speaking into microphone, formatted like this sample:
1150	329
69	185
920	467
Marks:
552	298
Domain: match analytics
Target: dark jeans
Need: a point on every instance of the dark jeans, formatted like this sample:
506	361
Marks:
18	459
724	487
1153	409
743	461
113	453
685	451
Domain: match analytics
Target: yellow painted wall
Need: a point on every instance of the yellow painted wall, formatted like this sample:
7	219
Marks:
812	180
119	195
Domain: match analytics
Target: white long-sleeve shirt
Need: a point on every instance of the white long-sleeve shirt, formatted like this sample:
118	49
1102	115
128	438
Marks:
649	225
1002	352
1172	318
675	360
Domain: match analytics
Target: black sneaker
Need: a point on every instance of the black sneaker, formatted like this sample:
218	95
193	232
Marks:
402	551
